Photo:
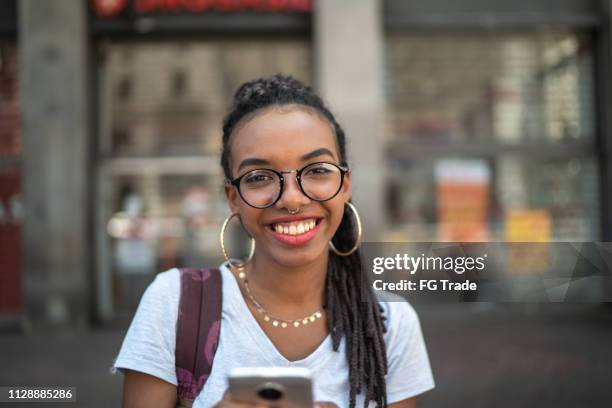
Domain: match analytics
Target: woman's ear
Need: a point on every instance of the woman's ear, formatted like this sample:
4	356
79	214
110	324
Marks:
347	187
232	197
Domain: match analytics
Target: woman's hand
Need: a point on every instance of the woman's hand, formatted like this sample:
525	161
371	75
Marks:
226	402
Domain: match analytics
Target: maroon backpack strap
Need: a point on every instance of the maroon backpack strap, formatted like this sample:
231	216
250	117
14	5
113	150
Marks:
197	330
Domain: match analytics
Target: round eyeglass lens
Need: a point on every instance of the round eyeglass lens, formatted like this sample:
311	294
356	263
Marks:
260	188
321	181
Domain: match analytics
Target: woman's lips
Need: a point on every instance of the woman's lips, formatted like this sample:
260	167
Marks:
298	239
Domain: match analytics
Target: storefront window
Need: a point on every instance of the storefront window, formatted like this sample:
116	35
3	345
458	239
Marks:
169	99
160	182
491	137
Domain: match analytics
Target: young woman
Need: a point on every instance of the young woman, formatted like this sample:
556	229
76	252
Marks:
299	300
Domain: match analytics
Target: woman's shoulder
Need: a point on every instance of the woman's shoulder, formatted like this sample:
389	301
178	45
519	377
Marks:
161	297
168	282
167	277
409	371
399	314
165	283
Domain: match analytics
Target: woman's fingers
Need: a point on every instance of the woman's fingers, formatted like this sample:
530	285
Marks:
227	402
233	404
325	404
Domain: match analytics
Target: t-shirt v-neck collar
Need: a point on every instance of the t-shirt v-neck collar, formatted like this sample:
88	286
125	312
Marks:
268	349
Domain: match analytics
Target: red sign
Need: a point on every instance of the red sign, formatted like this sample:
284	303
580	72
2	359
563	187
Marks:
108	8
10	242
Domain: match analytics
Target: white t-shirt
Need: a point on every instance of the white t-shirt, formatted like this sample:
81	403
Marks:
149	346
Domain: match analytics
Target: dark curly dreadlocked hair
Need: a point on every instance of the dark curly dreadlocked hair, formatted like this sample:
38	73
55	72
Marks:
360	322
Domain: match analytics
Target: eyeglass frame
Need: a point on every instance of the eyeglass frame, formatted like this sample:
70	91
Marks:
298	177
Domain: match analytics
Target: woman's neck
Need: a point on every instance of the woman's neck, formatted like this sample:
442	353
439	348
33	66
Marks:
295	286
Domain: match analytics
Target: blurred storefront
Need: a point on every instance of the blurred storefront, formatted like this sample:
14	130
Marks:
495	125
161	104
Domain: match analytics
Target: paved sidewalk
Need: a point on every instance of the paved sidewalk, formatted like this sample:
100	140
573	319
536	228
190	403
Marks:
482	356
548	355
80	360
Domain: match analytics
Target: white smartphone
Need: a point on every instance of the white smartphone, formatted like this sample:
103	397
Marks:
286	387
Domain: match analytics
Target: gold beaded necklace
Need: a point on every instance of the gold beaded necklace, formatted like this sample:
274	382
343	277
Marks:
276	322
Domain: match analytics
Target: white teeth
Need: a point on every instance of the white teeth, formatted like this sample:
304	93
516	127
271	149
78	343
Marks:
295	228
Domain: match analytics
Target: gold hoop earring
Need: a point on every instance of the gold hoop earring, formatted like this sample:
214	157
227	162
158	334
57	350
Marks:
358	222
222	239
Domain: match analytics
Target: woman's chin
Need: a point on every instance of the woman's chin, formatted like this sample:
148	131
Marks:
295	258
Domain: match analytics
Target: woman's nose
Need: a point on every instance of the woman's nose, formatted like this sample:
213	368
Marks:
292	196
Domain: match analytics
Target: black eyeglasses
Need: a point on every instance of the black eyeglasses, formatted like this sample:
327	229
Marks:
262	188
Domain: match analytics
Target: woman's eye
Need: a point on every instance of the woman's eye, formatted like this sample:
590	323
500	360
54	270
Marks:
258	178
318	171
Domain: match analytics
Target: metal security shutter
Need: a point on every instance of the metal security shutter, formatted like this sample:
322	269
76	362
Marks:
518	103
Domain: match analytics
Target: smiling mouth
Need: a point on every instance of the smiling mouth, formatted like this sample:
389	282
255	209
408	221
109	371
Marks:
295	227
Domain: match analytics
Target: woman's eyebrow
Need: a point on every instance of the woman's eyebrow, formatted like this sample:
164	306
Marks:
257	162
252	162
318	152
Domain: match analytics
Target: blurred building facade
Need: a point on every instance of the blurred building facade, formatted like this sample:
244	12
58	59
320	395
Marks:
468	121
